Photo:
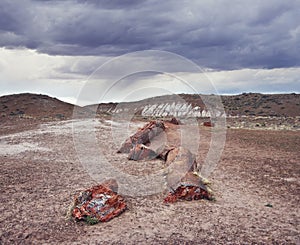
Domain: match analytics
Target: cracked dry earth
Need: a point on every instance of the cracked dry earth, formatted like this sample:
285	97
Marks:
256	185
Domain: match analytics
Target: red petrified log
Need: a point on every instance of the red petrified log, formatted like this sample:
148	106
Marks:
182	186
190	188
179	161
143	136
100	202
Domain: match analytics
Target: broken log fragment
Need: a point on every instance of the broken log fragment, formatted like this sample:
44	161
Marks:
163	151
182	181
141	152
143	136
100	203
191	187
179	161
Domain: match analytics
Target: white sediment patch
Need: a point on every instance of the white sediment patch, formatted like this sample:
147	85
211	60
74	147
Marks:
7	148
34	140
21	142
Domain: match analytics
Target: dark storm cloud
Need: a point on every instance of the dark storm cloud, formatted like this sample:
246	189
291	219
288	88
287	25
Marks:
216	34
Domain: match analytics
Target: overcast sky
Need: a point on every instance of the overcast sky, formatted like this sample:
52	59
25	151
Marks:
55	47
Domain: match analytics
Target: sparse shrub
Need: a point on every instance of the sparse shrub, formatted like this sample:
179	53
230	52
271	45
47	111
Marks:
91	220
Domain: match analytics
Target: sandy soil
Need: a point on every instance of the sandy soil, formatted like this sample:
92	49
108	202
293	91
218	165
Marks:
41	172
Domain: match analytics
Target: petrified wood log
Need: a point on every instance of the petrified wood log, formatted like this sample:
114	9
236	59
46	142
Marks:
100	203
143	136
191	187
182	182
179	161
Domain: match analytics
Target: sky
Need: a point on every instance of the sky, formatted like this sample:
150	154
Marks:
68	49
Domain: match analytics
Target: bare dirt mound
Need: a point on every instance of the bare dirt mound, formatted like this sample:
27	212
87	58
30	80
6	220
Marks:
26	111
34	106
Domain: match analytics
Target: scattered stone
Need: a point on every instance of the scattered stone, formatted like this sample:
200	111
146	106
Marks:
269	205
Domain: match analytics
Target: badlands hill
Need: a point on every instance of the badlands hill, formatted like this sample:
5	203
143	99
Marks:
246	104
34	106
43	107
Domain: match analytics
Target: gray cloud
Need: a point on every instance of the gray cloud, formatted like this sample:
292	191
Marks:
215	34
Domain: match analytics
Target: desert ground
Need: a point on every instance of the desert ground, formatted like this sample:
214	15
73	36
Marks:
256	186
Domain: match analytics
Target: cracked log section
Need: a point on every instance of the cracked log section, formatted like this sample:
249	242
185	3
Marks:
141	152
182	180
99	203
143	136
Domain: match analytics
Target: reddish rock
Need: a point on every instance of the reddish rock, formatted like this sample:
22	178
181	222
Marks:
141	152
101	202
143	136
190	188
179	161
163	151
